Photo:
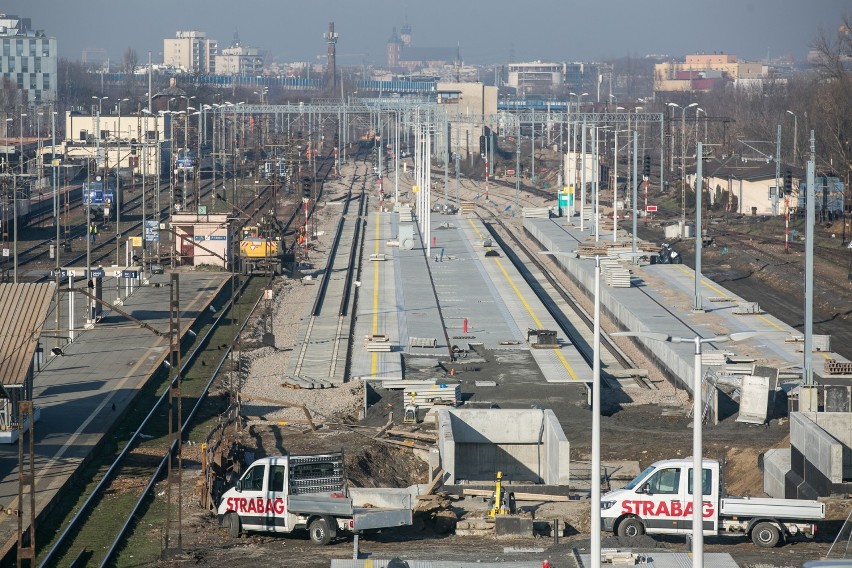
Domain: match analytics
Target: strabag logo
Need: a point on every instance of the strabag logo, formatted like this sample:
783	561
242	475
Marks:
257	505
664	508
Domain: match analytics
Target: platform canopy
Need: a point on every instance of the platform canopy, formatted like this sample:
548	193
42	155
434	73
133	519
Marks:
23	309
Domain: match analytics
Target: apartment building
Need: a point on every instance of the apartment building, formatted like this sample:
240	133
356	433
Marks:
28	59
191	51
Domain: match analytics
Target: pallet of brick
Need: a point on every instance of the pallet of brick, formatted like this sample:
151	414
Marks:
437	394
614	274
536	212
835	367
468	206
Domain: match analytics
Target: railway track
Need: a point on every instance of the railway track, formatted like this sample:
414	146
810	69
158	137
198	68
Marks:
520	254
120	486
325	331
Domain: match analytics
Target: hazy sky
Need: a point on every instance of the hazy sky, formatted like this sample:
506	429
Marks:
487	31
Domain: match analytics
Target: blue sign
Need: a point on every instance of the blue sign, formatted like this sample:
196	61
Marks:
130	274
218	238
199	237
98	273
152	231
63	274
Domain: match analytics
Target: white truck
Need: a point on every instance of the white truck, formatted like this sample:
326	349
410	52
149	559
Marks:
659	501
288	492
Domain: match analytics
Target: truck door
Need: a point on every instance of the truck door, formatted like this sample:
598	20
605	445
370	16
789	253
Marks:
276	498
661	504
252	498
710	511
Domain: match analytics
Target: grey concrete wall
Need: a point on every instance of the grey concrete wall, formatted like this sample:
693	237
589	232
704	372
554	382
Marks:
526	445
838	425
557	452
818	447
482	461
776	464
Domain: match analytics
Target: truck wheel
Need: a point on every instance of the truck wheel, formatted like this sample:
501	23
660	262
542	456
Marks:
233	525
765	535
631	527
320	531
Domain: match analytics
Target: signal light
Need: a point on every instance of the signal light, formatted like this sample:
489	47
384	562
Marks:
788	182
646	166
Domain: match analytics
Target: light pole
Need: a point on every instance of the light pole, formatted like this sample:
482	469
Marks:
795	137
697	110
118	185
671	106
683	167
54	178
21	136
8	122
596	177
578	98
697	418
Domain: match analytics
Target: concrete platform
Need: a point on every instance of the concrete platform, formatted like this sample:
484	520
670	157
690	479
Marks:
380	305
82	393
661	299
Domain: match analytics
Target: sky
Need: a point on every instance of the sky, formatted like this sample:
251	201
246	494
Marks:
486	31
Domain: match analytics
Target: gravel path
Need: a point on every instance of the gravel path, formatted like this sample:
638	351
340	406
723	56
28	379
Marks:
291	307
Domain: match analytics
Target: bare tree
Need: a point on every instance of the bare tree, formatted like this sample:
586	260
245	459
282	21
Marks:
131	60
831	104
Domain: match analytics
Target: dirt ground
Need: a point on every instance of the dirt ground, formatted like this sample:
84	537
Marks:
643	432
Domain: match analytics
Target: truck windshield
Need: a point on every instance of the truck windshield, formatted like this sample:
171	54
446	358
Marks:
639	477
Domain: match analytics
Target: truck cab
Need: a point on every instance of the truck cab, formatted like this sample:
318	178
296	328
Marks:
659	500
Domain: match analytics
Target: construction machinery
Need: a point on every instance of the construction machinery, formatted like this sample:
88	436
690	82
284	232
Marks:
262	247
410	412
501	502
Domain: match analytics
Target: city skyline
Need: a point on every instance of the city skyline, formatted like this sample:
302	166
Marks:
485	34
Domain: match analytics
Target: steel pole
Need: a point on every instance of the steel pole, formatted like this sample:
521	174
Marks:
697	485
596	426
699	149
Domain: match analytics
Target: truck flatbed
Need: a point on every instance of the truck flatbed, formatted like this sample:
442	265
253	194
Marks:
775	508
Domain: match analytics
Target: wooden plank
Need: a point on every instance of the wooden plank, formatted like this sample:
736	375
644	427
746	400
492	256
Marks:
415	435
439	478
541	497
518	496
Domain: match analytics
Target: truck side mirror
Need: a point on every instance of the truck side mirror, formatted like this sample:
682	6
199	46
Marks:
239	485
643	489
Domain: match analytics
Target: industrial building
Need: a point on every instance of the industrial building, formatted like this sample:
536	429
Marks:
703	72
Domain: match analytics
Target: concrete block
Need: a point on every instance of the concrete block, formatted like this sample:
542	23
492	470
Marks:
526	445
512	526
776	464
820	449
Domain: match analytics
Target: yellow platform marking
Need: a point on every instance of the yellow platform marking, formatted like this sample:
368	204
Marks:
724	294
520	296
